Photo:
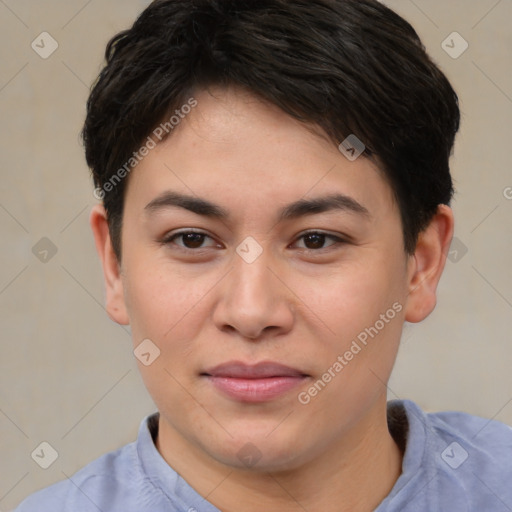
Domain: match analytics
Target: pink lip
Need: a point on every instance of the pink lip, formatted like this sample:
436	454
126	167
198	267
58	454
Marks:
254	383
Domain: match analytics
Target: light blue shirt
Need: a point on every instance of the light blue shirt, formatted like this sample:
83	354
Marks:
453	462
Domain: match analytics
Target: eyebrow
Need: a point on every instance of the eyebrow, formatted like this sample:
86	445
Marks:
300	208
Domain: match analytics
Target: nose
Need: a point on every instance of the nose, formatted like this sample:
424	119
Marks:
253	300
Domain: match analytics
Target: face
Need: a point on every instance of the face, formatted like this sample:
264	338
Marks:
278	306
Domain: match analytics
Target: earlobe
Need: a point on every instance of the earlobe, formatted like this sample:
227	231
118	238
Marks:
115	304
426	265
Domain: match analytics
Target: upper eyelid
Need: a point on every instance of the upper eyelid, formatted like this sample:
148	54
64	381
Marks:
201	232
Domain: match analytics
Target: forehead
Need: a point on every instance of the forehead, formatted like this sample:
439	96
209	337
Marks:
248	156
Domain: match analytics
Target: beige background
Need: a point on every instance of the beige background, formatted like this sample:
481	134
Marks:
67	373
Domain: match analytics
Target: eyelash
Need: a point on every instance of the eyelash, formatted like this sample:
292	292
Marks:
170	239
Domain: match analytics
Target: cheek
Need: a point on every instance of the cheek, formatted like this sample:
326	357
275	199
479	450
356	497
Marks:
165	307
353	296
355	361
362	305
163	302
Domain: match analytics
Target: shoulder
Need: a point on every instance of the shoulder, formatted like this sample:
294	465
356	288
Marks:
471	458
483	439
134	478
91	487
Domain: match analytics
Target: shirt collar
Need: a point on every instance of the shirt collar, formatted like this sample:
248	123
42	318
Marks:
163	476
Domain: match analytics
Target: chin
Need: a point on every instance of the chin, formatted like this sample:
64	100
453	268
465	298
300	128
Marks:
260	453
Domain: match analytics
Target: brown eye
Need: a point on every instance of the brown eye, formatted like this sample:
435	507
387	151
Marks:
192	240
189	240
315	240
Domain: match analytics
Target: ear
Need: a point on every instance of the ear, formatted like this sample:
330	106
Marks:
426	265
115	304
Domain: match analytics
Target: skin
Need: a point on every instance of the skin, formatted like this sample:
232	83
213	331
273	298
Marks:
299	307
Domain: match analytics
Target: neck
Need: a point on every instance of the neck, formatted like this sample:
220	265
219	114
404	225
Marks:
355	474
